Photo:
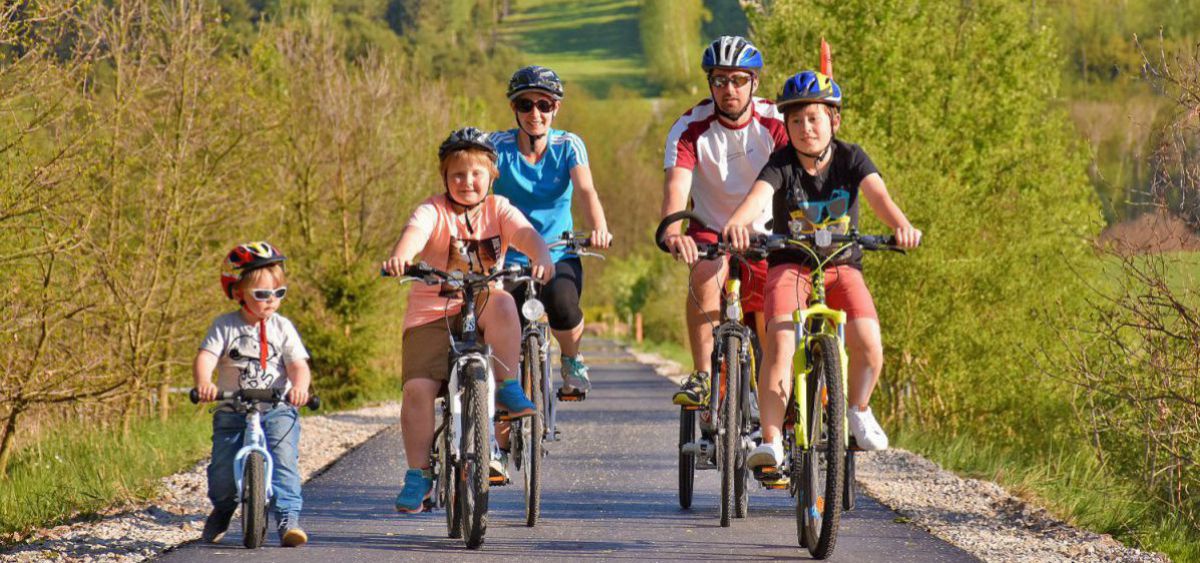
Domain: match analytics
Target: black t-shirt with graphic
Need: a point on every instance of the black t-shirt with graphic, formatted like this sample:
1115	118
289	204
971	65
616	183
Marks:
796	188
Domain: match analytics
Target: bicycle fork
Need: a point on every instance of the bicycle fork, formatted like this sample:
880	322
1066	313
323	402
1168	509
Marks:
254	440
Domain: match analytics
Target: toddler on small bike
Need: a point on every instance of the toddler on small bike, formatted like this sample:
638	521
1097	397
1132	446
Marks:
254	348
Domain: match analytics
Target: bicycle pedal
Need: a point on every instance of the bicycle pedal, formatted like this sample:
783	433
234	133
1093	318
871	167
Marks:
853	446
768	474
571	397
498	480
691	407
503	417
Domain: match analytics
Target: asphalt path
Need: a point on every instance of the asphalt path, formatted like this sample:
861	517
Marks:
610	492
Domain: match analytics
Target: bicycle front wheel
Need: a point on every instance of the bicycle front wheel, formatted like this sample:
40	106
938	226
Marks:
819	506
687	461
532	429
476	452
730	429
254	501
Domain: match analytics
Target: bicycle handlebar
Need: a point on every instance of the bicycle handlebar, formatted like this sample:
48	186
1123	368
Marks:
867	242
709	251
576	243
456	279
274	395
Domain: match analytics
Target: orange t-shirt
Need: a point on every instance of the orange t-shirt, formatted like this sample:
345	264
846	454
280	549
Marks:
454	243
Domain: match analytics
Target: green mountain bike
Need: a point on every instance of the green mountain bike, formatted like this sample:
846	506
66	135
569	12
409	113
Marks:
819	456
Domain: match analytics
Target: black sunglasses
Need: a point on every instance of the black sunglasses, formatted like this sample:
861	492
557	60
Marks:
265	294
526	105
738	80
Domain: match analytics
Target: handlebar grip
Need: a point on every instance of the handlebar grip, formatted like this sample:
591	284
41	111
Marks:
194	397
669	220
314	403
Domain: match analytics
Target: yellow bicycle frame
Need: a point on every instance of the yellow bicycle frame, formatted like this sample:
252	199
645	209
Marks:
834	325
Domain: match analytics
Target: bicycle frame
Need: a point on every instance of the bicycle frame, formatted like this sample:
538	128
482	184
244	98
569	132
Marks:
540	331
466	349
731	325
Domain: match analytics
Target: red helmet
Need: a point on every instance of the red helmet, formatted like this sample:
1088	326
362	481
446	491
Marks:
247	258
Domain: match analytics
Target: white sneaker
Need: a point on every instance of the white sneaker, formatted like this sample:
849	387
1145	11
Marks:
770	454
866	430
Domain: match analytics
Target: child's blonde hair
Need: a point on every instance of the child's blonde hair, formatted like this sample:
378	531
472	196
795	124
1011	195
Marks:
275	272
470	156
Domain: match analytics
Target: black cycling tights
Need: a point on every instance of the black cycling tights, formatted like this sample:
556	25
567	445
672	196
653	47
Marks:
560	296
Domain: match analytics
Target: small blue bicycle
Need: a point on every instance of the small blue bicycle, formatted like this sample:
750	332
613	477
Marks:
253	466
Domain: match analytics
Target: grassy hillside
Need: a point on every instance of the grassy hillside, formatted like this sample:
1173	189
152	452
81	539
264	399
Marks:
593	44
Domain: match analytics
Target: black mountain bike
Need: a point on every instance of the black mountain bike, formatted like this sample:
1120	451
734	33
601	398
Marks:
733	399
462	443
529	435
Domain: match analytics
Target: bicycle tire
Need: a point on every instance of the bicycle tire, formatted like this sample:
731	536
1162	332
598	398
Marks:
687	462
741	477
254	501
730	425
448	480
534	441
820	503
476	452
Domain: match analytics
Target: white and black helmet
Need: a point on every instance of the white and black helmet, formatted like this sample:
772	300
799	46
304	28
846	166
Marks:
537	78
732	51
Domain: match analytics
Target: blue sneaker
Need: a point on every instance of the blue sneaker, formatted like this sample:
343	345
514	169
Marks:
417	486
575	376
513	399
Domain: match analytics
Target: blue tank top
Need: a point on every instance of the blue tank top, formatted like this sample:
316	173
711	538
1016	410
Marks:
542	191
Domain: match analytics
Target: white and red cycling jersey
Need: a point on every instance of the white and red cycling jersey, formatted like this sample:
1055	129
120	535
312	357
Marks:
724	161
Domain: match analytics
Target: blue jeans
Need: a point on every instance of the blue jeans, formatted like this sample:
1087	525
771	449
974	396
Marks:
282	425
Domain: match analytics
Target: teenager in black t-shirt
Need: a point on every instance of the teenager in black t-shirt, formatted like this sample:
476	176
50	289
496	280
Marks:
817	170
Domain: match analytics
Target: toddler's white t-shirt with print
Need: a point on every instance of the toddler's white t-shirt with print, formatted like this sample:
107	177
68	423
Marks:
236	345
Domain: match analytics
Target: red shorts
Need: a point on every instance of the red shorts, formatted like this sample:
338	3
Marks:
788	288
753	278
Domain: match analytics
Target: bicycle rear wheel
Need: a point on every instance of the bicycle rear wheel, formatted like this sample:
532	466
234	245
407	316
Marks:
254	501
819	506
687	461
730	426
475	454
532	430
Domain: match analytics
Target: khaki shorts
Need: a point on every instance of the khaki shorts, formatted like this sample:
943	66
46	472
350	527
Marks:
425	352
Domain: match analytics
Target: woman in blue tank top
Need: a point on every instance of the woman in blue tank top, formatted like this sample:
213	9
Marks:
541	169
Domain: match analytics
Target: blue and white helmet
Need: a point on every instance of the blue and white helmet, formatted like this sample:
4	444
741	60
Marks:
732	51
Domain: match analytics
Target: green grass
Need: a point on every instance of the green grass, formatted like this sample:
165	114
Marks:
593	44
1069	482
670	350
79	470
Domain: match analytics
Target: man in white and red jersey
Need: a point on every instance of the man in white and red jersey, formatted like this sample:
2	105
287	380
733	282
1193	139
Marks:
714	153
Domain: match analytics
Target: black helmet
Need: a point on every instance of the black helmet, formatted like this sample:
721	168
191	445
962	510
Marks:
535	78
467	138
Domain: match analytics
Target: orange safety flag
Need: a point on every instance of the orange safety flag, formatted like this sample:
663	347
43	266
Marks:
826	59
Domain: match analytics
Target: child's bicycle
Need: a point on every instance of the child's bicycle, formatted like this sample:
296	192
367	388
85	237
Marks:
734	386
462	445
529	435
819	455
253	466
